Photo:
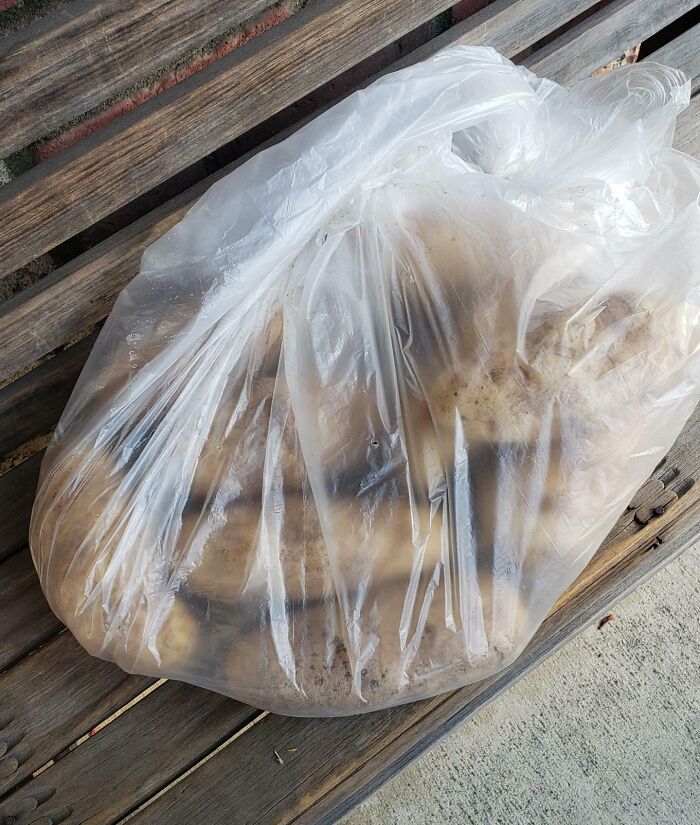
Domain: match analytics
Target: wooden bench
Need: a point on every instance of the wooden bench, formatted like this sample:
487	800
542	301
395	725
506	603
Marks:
79	739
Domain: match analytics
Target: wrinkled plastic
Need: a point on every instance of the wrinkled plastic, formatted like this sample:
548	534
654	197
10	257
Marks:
372	405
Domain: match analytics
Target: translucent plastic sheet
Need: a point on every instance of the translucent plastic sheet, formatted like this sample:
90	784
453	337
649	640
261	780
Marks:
373	404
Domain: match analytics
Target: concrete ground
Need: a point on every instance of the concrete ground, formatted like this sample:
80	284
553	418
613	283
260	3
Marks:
606	732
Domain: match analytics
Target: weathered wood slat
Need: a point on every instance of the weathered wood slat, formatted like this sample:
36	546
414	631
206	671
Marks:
338	762
82	292
60	197
683	52
687	136
26	620
32	405
17	490
604	36
54	697
71	60
132	758
509	26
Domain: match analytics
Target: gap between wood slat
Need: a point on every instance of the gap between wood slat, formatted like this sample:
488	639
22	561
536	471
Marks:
73	59
683	52
156	739
28	329
31	406
604	36
17	490
71	692
58	198
244	730
97	728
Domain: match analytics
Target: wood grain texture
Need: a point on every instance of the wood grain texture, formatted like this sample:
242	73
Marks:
132	758
54	697
687	136
509	26
82	292
77	57
339	762
604	36
26	621
58	198
17	490
683	52
32	405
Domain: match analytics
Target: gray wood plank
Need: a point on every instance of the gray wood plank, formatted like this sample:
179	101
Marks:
80	55
82	292
26	621
687	137
32	405
509	26
683	52
17	489
51	699
604	36
58	198
132	758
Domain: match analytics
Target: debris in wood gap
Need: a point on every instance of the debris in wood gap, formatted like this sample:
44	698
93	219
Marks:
25	276
629	56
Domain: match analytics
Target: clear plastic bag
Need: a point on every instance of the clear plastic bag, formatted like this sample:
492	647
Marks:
373	404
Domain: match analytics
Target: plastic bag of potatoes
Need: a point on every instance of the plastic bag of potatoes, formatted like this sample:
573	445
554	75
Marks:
373	404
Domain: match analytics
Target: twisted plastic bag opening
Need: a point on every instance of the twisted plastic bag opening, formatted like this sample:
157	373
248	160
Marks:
373	404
